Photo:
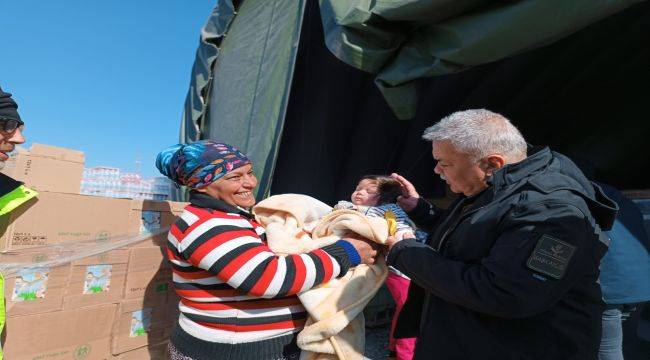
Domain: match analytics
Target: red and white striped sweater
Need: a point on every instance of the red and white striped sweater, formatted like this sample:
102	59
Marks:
233	288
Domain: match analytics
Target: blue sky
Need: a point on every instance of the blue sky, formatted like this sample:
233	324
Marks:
105	77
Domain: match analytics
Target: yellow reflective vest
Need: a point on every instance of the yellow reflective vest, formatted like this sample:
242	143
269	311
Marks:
16	195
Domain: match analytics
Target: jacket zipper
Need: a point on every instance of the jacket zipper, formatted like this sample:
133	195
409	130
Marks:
452	228
427	294
453	211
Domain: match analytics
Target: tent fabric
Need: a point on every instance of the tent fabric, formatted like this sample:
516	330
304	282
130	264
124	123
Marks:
196	101
241	79
578	96
317	129
252	80
403	40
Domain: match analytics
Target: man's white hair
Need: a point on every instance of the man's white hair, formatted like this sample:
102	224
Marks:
479	133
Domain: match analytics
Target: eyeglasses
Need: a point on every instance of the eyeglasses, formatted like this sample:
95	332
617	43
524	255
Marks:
10	125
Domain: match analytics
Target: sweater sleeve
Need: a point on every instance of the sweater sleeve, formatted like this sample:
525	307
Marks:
231	248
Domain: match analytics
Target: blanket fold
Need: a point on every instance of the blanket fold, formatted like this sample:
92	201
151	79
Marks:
297	223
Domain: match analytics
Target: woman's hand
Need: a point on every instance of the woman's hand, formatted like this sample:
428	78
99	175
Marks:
367	249
409	199
390	241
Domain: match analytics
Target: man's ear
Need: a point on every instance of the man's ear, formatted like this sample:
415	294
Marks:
493	163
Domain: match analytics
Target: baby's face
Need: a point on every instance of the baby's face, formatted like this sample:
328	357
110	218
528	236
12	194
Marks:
366	193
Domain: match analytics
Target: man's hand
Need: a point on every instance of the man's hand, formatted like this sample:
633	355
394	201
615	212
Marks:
367	249
410	196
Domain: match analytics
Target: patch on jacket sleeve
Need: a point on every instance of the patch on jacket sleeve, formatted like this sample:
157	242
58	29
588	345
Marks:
551	256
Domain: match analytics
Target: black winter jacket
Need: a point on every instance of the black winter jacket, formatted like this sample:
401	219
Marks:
510	273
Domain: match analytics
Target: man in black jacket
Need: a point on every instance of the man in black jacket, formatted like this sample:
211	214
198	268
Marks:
510	270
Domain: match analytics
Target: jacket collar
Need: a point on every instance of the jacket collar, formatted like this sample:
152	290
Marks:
511	174
539	159
208	202
8	184
548	172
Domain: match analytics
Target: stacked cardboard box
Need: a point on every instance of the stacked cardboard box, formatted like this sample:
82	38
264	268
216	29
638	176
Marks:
48	168
67	301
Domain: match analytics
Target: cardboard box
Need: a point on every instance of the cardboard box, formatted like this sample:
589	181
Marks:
139	322
54	218
150	352
48	168
97	280
172	313
149	216
36	290
63	335
177	207
148	274
32	288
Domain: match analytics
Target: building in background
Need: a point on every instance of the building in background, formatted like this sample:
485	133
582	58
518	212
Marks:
113	182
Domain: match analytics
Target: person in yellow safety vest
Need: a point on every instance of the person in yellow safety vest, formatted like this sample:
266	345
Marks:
12	193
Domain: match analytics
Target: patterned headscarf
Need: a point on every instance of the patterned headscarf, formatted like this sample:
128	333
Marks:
198	164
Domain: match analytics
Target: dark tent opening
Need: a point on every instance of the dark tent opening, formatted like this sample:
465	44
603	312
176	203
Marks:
585	96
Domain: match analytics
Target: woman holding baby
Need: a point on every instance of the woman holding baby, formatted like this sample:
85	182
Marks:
238	298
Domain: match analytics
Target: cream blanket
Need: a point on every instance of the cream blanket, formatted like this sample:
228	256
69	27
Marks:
298	223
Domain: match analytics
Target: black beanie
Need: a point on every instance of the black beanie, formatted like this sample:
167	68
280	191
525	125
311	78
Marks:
8	107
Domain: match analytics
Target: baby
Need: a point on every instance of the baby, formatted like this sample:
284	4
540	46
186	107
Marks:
375	196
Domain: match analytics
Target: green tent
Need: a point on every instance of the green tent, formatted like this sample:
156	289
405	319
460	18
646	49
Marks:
402	41
245	82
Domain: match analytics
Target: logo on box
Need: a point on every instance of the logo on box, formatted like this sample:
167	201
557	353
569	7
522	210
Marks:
98	279
140	322
151	221
102	236
81	352
30	285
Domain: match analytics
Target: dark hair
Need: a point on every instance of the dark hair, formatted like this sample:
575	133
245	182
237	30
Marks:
389	188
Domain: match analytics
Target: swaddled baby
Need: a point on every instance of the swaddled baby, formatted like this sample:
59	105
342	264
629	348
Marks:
376	196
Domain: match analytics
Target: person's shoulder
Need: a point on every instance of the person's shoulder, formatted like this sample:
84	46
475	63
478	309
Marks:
389	206
199	212
393	208
545	204
384	208
558	216
547	192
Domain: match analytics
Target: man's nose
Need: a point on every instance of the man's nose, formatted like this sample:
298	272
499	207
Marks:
437	170
17	137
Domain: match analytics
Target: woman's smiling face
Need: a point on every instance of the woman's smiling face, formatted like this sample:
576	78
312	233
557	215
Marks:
235	188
